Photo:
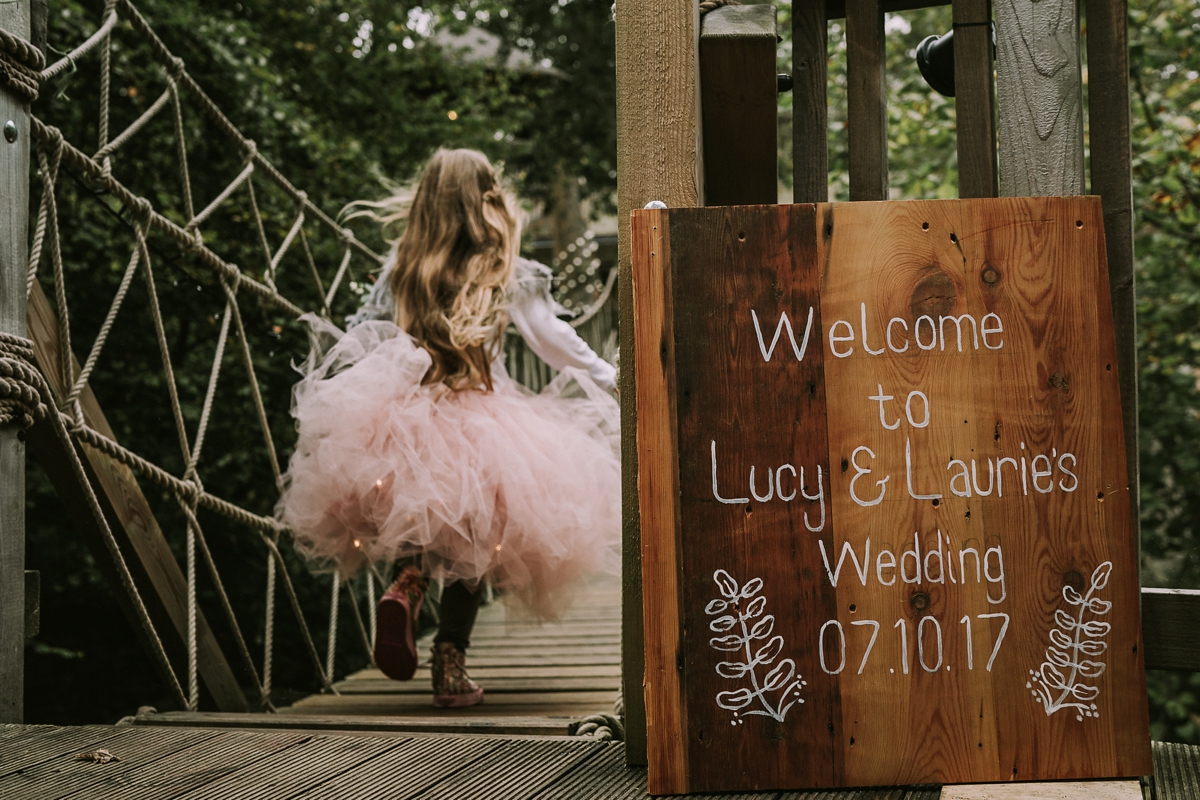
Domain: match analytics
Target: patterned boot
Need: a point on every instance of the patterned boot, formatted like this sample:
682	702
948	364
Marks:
395	624
452	686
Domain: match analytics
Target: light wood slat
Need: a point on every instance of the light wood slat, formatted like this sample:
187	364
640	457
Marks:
1108	107
493	685
64	775
406	770
810	113
974	99
584	671
866	95
1039	96
570	704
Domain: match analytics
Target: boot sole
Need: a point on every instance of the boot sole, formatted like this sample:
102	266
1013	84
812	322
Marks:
458	700
395	649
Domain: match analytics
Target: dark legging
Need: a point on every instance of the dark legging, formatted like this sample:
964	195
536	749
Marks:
456	617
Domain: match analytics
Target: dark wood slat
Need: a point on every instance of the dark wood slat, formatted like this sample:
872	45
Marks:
1170	628
810	112
1108	107
603	775
1176	772
867	100
974	98
836	9
738	91
46	742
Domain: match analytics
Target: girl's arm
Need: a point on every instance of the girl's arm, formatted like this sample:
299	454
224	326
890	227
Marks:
554	340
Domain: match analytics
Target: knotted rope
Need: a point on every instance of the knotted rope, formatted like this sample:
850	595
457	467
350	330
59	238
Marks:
20	401
712	5
20	65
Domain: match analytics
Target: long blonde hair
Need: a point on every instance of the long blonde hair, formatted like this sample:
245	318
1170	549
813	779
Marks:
453	265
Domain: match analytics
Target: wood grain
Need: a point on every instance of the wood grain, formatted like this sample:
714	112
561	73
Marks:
14	222
974	98
810	111
658	495
1039	97
866	95
739	99
912	379
1108	105
658	158
149	557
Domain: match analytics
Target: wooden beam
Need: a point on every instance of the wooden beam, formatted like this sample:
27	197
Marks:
1039	90
1169	628
150	560
974	98
810	112
1112	179
836	9
867	100
14	223
739	96
658	158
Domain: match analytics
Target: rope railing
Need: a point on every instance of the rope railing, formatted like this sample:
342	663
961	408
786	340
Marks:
25	394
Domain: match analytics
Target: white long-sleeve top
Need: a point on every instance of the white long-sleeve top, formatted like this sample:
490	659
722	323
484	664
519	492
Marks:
534	313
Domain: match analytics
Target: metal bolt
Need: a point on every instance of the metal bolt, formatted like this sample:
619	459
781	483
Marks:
10	131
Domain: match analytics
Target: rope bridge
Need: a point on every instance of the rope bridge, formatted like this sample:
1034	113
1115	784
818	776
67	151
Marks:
26	395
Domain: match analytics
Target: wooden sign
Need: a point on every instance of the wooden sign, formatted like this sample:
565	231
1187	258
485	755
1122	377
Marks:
886	532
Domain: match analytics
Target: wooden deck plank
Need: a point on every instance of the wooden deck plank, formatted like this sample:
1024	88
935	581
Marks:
604	775
566	704
63	775
404	771
1176	771
495	685
514	771
430	723
193	767
50	742
578	671
294	770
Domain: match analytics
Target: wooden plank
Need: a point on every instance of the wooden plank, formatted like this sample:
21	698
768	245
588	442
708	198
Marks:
603	775
1169	619
293	770
406	770
516	671
974	99
1058	790
866	96
1039	95
64	775
1176	771
739	100
517	770
493	685
46	742
14	256
195	766
1112	179
520	703
154	568
658	158
658	495
436	722
810	112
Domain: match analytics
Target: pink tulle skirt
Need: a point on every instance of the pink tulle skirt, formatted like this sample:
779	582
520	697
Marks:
519	488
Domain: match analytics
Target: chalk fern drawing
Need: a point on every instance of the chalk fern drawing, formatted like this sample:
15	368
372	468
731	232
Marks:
748	632
1074	643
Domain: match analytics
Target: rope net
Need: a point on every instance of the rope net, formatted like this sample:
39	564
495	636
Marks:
60	393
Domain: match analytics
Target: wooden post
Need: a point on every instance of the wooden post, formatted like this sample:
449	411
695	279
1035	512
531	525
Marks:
1112	179
1039	90
810	112
14	258
658	158
739	94
974	98
866	95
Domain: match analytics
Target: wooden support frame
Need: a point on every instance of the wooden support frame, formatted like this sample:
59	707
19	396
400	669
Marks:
974	98
810	109
739	97
153	566
866	92
658	158
15	149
